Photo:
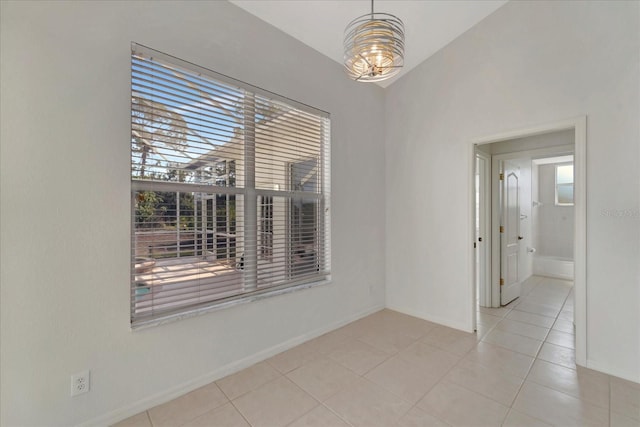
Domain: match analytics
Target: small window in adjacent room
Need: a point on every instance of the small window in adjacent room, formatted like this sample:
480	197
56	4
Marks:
564	185
229	190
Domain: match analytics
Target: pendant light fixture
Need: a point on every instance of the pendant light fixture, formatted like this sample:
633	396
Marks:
374	47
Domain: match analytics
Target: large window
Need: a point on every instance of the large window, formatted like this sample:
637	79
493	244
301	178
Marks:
230	190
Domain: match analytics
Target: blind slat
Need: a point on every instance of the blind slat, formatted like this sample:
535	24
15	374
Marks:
205	149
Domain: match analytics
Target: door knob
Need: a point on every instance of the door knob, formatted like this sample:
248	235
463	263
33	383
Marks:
520	237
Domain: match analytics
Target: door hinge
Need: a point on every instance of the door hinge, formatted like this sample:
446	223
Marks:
501	177
501	229
501	281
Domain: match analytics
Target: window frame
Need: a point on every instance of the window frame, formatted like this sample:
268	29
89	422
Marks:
263	246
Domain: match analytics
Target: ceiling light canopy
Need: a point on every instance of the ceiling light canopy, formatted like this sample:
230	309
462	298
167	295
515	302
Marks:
374	47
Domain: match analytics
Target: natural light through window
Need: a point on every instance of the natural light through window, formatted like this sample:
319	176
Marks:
564	185
230	190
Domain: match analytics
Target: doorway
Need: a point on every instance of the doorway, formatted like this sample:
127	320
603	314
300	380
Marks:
506	151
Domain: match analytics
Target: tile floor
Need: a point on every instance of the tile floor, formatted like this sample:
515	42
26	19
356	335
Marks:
390	369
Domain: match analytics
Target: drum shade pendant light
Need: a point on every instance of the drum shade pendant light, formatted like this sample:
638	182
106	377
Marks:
374	47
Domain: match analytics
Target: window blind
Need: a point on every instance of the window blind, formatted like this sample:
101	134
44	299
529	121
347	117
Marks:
230	189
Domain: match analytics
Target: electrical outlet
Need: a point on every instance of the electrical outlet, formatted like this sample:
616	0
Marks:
80	383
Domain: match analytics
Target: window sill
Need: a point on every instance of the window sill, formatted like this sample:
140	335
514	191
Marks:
241	299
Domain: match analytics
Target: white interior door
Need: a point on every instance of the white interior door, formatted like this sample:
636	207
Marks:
510	233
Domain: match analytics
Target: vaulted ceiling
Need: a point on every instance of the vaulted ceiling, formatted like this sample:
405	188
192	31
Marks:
429	24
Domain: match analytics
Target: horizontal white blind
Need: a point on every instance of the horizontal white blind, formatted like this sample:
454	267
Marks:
230	189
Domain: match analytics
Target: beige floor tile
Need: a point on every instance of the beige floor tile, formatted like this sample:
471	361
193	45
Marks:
517	343
291	359
584	384
524	329
482	331
389	340
276	403
551	300
558	408
368	404
411	326
431	360
625	398
533	319
531	283
451	340
499	311
186	408
357	356
559	355
139	420
539	309
419	418
619	420
362	326
403	379
564	326
327	342
320	416
552	281
461	407
550	291
225	416
561	338
518	419
248	379
495	357
489	382
487	319
322	378
564	287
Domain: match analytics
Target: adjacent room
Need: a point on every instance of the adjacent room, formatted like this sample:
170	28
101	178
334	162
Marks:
216	213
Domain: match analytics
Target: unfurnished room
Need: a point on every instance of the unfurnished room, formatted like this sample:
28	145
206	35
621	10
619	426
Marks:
270	213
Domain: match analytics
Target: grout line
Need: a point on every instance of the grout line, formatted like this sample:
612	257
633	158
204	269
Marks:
515	398
522	335
536	359
442	379
241	414
336	414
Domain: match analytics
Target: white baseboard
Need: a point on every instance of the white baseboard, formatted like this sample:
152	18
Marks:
435	319
144	404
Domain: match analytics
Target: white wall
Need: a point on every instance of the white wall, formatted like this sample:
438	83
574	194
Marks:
65	212
529	63
554	233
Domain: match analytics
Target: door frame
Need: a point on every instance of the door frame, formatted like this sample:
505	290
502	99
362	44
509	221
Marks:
484	286
579	126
